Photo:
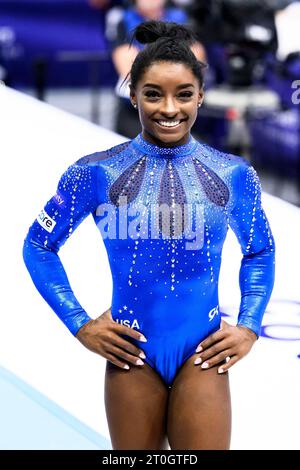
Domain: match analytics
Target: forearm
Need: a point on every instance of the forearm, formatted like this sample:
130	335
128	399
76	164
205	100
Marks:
50	279
123	57
257	275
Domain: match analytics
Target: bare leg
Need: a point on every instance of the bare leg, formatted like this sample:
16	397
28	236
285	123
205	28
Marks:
199	411
136	404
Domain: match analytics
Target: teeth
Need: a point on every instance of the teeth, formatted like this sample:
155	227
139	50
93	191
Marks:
169	123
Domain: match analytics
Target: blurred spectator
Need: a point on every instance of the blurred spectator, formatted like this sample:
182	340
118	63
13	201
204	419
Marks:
238	36
101	4
120	22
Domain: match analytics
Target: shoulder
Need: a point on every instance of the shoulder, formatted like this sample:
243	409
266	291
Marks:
93	159
227	159
243	175
236	169
85	169
235	166
113	18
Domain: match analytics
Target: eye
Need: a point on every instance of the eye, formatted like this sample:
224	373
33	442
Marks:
186	94
151	94
155	94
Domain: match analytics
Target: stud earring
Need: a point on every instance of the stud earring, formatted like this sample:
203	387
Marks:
134	105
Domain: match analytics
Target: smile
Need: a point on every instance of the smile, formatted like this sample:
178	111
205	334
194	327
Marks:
169	124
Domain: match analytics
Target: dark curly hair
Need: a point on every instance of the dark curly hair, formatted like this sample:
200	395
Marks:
166	41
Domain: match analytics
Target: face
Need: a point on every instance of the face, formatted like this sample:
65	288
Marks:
149	4
167	97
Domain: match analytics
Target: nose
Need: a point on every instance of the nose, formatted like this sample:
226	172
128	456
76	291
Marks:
169	107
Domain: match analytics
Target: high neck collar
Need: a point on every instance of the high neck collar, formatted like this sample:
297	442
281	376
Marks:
152	149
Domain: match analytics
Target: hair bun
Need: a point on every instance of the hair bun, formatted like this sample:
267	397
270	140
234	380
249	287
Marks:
151	31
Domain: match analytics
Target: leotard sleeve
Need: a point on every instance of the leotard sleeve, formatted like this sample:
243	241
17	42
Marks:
75	198
257	271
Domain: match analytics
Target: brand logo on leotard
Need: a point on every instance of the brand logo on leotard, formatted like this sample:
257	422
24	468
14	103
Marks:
45	221
58	199
213	312
131	323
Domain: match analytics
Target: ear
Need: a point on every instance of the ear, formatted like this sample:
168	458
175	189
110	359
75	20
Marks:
132	95
201	95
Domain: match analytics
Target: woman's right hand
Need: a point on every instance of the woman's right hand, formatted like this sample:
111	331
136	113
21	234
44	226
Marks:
103	336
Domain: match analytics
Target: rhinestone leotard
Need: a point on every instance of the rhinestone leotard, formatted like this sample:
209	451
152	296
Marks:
165	266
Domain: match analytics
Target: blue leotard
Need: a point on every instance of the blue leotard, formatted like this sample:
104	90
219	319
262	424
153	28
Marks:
165	268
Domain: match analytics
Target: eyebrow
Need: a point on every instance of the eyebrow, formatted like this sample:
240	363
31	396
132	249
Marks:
183	85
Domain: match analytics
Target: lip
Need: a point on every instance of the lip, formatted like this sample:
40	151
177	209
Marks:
171	127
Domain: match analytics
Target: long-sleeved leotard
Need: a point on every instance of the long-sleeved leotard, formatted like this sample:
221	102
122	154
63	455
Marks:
163	214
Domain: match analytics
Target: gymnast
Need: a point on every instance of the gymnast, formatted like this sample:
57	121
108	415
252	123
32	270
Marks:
163	202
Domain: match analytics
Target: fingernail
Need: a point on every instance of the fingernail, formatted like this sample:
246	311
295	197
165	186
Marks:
142	338
220	370
139	362
199	349
126	366
205	365
198	360
142	355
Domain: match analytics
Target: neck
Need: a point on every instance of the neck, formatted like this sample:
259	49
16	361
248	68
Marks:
150	148
154	140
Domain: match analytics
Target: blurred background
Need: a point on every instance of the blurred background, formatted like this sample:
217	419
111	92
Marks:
74	54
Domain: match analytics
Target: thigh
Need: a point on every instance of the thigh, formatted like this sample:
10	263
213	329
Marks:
199	410
136	407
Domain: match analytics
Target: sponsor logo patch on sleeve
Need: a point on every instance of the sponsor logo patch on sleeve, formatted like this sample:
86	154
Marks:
58	199
46	221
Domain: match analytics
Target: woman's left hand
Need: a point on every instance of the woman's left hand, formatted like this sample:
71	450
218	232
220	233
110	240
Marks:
230	343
